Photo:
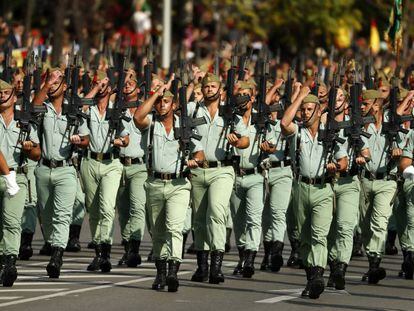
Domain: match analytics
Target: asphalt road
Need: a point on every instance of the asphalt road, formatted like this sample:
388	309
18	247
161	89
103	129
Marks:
130	288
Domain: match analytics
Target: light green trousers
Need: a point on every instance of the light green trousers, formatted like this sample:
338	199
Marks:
375	210
56	191
131	202
101	182
345	218
211	191
167	209
11	216
313	206
246	206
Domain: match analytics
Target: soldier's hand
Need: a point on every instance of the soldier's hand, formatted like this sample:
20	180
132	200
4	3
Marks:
53	77
192	164
396	152
27	146
360	161
278	83
268	147
297	85
160	91
232	139
103	83
75	139
331	167
119	142
304	91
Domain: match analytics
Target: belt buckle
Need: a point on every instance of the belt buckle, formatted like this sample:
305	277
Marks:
128	161
205	164
99	156
53	163
242	172
165	176
312	181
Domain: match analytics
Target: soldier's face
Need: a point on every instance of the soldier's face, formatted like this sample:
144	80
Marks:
310	113
350	76
366	106
249	104
58	87
18	83
164	106
198	95
210	89
385	91
130	88
7	99
340	99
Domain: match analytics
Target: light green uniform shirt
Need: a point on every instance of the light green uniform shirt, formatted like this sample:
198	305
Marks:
380	151
166	154
55	135
9	136
408	149
249	157
274	136
137	140
213	133
312	157
99	141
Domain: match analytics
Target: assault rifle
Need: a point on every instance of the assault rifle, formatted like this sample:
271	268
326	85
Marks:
7	68
185	132
148	69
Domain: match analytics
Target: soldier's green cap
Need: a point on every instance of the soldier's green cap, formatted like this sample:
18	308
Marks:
101	74
246	85
384	82
5	86
156	77
53	69
167	94
209	78
310	99
252	81
402	94
269	85
197	86
371	94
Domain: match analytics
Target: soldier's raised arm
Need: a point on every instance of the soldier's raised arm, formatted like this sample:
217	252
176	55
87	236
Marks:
141	114
287	124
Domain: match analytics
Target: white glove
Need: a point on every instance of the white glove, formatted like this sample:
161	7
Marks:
408	173
11	184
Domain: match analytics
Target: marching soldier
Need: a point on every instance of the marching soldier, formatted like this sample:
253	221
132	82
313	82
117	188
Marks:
167	187
101	172
313	194
212	184
14	186
131	194
56	177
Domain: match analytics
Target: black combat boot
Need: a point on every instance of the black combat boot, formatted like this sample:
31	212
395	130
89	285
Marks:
172	279
375	272
316	282
105	263
408	265
134	258
390	248
338	275
9	272
239	268
227	246
191	249
305	292
294	259
357	245
248	268
26	250
124	257
91	245
73	242
46	249
401	273
94	265
216	275
185	236
267	245
276	259
55	263
161	278
201	274
150	257
331	282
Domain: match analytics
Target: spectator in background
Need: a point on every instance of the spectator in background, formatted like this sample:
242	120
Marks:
141	20
16	36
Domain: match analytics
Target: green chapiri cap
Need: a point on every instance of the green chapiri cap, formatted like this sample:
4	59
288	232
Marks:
310	99
101	74
197	86
5	86
53	69
246	85
156	77
167	94
209	78
371	94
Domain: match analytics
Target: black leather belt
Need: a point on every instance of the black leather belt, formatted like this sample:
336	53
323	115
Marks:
213	164
128	161
379	176
274	164
168	176
249	171
315	181
19	170
103	156
54	163
347	174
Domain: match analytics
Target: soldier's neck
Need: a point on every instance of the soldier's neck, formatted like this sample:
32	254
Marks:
314	128
168	122
378	119
7	115
102	104
57	103
246	116
212	107
340	117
